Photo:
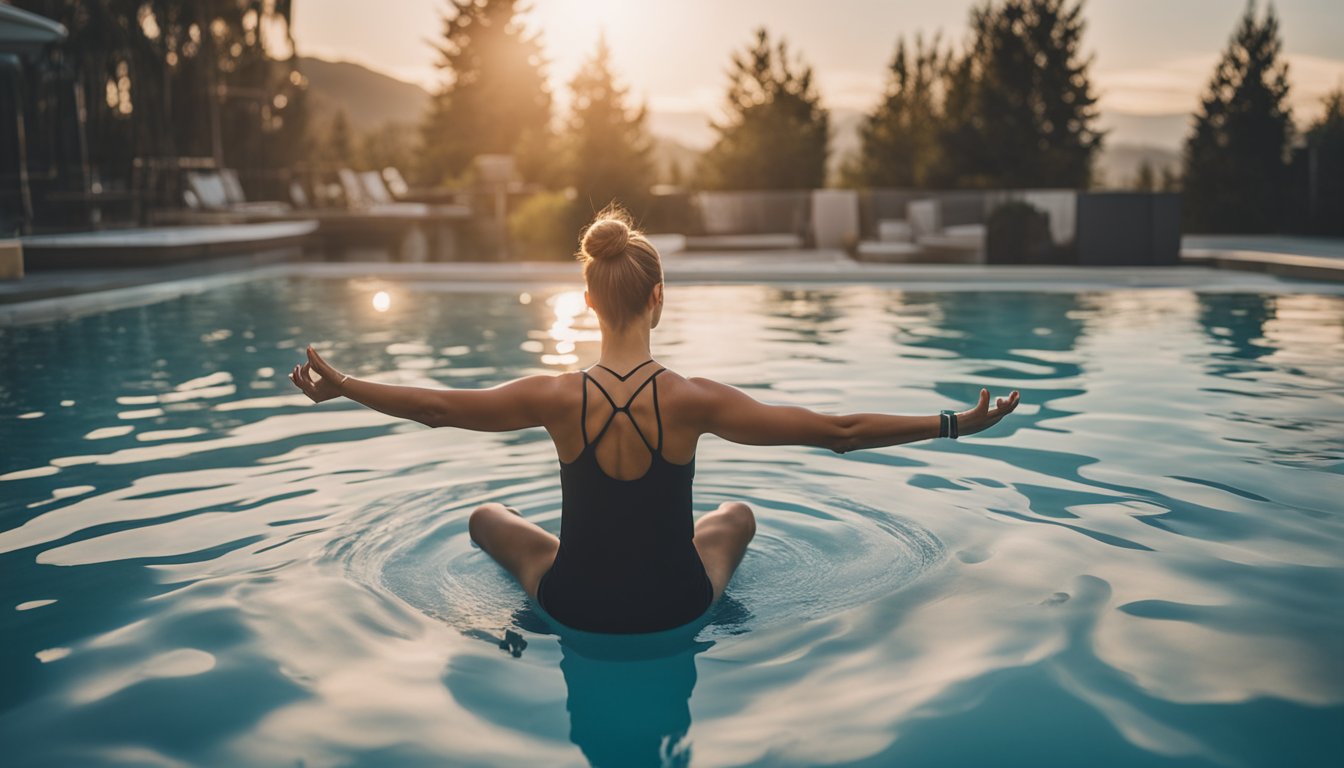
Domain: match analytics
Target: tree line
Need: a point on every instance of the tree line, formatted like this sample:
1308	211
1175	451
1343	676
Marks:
1014	106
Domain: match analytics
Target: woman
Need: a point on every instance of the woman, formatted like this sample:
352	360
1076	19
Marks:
630	557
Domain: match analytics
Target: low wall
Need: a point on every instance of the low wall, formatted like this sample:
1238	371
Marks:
11	260
1129	229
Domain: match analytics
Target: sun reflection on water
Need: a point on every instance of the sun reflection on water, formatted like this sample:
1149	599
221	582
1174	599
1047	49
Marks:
573	324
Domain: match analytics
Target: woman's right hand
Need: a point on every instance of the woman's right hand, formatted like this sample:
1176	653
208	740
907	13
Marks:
982	417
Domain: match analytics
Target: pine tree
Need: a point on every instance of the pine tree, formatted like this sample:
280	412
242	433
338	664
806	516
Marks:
1145	180
340	144
1171	180
1235	172
495	95
1019	108
611	152
776	133
900	138
1324	159
390	144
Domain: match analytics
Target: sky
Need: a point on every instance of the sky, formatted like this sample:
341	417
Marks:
1151	56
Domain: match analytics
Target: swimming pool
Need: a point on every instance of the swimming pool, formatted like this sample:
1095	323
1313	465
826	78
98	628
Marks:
1143	566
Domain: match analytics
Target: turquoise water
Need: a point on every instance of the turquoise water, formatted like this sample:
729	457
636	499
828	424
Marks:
1144	566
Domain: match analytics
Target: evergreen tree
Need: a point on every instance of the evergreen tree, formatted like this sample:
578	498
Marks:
340	145
611	150
1145	180
900	138
1234	158
390	144
963	159
1324	160
777	131
1019	108
1171	180
495	94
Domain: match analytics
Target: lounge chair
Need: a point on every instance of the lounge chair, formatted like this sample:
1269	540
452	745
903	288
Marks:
396	183
921	237
374	225
894	243
964	243
750	220
366	192
222	191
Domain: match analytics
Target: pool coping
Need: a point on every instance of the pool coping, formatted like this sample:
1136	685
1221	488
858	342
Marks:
792	270
1305	266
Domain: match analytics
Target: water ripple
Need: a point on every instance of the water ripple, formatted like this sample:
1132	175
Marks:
1144	564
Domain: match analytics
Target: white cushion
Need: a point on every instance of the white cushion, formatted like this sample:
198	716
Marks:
923	217
870	250
968	231
209	189
895	231
374	187
233	188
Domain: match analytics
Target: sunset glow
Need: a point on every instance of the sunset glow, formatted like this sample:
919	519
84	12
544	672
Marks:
1151	57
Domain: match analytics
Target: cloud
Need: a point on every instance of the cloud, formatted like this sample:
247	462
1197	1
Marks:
1175	86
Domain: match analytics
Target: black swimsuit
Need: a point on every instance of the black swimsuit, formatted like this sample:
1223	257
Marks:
626	562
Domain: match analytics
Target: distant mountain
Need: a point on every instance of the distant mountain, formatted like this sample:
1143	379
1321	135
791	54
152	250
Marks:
1167	131
1118	164
846	139
370	99
691	130
670	154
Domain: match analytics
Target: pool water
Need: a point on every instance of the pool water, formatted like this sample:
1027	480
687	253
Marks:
1143	566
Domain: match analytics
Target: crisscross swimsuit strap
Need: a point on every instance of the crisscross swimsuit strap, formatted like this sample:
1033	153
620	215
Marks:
657	415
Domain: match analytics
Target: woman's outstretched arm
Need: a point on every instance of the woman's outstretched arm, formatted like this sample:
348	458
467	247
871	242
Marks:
734	415
518	404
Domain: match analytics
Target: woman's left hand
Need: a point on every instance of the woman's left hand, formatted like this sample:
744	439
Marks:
328	383
982	417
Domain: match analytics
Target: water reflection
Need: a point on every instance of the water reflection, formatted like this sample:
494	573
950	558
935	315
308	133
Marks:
1235	322
629	699
627	696
980	326
803	316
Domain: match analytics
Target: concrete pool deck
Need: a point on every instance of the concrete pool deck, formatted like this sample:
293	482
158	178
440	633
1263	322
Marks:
55	295
1311	258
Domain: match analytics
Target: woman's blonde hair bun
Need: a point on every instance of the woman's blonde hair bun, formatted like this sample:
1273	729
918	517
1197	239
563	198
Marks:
620	266
607	237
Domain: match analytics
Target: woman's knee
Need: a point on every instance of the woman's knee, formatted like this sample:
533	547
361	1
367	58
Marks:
740	516
480	519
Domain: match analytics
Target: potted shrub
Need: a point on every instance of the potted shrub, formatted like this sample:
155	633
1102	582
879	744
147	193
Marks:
1018	233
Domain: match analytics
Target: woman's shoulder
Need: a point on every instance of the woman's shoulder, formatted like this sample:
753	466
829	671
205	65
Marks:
689	392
